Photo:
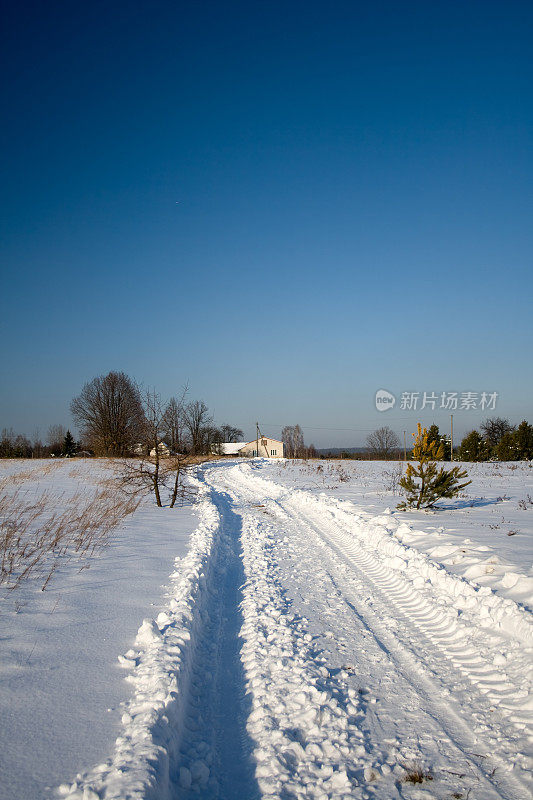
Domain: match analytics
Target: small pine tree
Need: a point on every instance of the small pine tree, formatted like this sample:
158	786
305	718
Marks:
474	448
516	445
434	483
524	440
434	435
69	445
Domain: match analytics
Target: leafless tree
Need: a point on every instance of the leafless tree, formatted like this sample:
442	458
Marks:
311	451
37	447
109	414
136	476
55	437
152	470
494	428
178	467
7	441
198	422
383	442
211	440
293	441
231	434
174	424
22	447
153	433
299	446
287	437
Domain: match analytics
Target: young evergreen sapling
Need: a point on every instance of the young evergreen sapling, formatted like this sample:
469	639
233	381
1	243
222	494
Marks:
426	483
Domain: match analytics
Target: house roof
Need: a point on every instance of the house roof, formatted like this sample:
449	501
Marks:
230	448
270	439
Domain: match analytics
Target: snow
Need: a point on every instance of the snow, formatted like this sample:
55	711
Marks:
230	448
312	642
468	536
60	681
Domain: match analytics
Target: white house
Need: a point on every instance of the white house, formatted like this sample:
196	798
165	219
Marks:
227	448
268	448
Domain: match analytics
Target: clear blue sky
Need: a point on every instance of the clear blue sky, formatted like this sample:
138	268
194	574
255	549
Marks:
285	205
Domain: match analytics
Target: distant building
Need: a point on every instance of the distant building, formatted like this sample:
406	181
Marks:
268	448
163	449
227	448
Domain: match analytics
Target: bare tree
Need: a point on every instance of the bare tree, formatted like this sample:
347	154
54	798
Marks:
494	428
197	421
299	446
7	441
179	466
22	447
231	434
311	451
37	447
383	442
293	441
211	440
152	471
109	414
153	432
287	437
174	423
55	437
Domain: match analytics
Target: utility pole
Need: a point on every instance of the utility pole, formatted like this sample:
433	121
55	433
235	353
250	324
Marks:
404	448
257	439
451	439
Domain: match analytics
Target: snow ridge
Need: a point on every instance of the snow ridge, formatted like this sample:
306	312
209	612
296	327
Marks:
485	637
147	748
494	626
301	716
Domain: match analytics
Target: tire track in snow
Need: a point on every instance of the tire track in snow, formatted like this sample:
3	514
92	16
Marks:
465	647
435	698
316	730
427	679
215	719
183	731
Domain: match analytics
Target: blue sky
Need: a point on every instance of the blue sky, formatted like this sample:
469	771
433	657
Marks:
286	206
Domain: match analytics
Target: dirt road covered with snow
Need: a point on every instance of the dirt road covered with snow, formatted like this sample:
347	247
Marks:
307	653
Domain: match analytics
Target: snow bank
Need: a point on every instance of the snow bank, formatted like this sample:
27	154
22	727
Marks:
160	664
305	740
486	627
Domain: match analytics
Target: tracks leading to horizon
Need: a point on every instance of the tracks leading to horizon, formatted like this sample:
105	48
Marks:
298	658
215	749
406	645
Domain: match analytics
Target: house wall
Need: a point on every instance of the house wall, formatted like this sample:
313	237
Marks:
265	450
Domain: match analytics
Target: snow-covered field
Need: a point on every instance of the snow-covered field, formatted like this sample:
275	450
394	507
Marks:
311	642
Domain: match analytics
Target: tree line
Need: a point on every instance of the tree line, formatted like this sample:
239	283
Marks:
58	442
497	440
116	418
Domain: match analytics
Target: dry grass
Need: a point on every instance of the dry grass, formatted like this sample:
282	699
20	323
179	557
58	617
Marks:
37	535
325	474
416	774
29	474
